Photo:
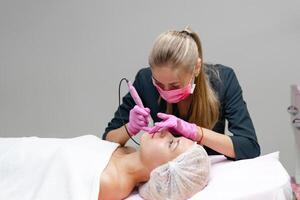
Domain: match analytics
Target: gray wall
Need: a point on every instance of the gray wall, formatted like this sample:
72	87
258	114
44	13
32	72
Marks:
61	61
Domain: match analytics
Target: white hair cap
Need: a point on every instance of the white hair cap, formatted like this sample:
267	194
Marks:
180	178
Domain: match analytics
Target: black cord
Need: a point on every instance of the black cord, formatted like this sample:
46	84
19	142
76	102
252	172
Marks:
124	79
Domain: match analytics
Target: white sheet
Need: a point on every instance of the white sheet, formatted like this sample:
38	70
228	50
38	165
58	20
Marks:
259	178
33	168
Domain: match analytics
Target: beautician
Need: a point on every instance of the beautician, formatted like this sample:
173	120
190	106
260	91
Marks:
188	97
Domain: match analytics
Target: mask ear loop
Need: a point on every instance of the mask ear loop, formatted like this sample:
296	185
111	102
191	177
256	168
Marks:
192	93
193	84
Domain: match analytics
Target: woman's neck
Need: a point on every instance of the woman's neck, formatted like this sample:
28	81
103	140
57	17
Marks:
130	167
122	175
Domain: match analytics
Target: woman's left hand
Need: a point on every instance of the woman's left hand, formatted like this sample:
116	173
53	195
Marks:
186	129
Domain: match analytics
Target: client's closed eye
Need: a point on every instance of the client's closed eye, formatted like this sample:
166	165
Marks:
171	142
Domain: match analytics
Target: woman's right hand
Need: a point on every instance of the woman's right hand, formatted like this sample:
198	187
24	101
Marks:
138	118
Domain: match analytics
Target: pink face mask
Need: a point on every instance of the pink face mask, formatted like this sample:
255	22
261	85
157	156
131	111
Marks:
177	95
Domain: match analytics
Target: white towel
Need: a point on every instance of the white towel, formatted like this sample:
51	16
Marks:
33	168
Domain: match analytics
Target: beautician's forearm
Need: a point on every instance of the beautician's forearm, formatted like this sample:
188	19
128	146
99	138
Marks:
118	135
218	142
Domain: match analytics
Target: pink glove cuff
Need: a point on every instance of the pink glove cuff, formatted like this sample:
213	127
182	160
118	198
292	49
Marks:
193	132
132	131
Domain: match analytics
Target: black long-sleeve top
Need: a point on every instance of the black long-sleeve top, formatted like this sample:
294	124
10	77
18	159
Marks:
233	108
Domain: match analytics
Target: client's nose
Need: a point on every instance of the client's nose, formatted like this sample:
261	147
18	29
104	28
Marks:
164	133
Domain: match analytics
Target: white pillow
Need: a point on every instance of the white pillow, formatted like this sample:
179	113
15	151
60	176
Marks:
263	178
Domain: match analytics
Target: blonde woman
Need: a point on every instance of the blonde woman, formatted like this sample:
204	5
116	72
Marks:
189	98
87	167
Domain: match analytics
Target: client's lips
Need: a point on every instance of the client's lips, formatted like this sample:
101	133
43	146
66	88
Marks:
157	134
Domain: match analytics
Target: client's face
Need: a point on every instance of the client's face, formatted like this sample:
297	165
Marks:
161	148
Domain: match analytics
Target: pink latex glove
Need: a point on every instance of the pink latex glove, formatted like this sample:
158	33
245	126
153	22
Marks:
138	118
172	122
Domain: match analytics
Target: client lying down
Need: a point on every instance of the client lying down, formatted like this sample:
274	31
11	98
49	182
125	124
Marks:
87	167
